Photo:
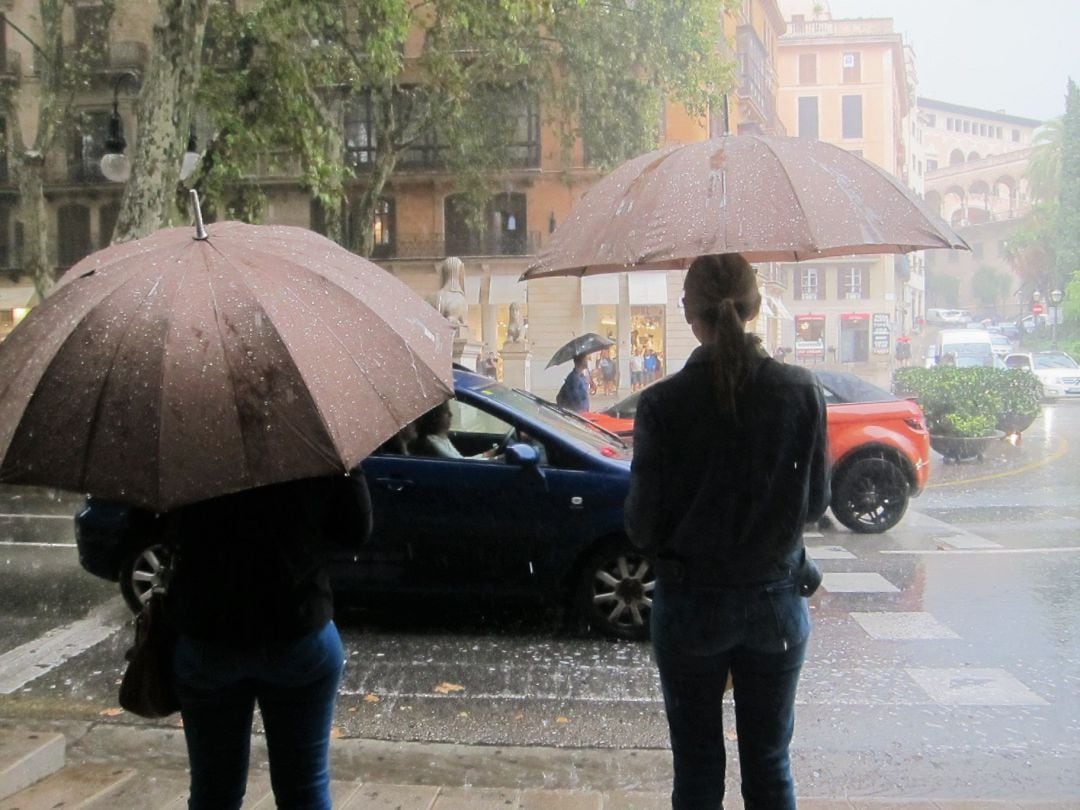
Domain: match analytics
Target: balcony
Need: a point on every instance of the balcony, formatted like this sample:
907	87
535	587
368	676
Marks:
839	28
757	78
436	245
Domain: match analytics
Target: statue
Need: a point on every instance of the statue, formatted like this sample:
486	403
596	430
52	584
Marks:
515	329
450	298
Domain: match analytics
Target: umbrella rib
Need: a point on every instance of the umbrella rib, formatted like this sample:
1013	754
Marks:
795	193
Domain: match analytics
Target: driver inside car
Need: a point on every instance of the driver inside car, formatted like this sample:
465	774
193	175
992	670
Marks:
433	436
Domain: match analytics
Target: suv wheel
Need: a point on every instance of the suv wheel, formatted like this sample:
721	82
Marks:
615	591
870	495
141	572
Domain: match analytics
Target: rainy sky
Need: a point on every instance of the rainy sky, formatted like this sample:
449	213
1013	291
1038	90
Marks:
1013	55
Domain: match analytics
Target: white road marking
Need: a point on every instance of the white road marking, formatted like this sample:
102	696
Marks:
35	517
974	687
36	545
829	553
902	626
35	658
857	582
932	551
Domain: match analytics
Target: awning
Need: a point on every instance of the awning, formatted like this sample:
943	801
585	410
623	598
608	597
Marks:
599	290
648	288
16	297
775	308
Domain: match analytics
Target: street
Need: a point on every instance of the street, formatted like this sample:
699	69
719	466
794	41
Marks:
945	659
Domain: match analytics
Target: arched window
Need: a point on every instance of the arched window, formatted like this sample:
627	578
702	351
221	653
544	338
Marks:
956	157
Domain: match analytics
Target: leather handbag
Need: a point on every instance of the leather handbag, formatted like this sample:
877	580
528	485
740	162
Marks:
807	576
148	688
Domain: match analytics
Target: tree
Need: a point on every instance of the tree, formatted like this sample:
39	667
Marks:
1044	168
63	71
990	285
290	72
943	290
1067	223
164	118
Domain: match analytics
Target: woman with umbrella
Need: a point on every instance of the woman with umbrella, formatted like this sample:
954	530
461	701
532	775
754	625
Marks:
575	390
729	464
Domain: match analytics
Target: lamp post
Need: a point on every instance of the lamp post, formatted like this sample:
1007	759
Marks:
1055	299
115	165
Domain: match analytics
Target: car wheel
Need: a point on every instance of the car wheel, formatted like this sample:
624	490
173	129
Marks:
141	572
615	592
870	495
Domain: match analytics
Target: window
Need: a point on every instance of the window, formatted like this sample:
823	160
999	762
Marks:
997	133
73	229
383	229
360	140
3	141
931	164
931	120
808	117
92	33
852	116
1016	136
852	64
948	124
808	68
808	287
967	127
87	146
503	232
524	131
854	282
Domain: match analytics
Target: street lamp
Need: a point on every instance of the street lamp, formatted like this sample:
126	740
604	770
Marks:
115	165
1055	299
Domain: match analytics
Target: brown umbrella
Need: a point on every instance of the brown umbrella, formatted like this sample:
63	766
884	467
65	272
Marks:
768	198
171	369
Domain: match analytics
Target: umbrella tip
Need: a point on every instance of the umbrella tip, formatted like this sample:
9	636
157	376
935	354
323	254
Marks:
200	229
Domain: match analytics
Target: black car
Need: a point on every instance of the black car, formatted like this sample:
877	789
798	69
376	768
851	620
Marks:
543	520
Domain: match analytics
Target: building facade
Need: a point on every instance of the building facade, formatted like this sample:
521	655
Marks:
851	82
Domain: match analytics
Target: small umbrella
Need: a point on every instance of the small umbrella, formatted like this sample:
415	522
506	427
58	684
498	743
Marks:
768	198
170	369
583	344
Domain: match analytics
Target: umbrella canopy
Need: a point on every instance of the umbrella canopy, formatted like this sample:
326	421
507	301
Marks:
170	369
583	344
768	198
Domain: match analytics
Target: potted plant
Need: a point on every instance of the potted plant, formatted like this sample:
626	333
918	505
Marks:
965	407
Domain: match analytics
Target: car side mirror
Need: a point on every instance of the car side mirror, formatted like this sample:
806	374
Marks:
523	455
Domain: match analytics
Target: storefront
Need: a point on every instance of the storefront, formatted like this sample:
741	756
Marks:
854	337
809	338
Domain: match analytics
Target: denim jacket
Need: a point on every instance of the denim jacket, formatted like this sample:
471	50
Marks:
729	498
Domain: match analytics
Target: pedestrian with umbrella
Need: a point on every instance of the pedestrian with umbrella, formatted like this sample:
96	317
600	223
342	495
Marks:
230	383
575	390
730	453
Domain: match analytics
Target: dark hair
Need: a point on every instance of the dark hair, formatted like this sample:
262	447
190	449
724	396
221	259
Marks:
429	422
721	291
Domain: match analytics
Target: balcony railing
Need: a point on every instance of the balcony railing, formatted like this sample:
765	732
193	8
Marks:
436	245
757	77
840	28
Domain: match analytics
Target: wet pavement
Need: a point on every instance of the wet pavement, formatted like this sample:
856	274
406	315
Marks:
944	665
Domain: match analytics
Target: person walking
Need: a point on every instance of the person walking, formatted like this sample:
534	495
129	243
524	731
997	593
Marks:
574	393
730	462
250	600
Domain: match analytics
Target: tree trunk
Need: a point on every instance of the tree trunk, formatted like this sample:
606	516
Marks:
165	111
362	238
29	169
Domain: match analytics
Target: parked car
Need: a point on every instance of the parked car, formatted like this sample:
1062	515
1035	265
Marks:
878	445
542	521
1000	344
1058	372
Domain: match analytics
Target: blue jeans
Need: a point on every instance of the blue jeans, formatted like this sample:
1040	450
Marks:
759	635
294	682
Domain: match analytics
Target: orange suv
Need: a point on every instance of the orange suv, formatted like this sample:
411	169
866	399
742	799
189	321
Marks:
878	445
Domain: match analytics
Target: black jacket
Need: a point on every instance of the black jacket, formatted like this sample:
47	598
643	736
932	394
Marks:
729	498
250	566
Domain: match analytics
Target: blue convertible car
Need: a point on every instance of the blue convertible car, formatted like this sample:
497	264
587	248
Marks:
543	519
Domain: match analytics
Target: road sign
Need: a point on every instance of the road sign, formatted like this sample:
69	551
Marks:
1036	309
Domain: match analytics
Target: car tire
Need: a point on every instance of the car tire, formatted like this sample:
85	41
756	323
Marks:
614	591
870	495
143	570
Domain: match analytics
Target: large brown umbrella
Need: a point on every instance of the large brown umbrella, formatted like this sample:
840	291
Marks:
172	369
768	198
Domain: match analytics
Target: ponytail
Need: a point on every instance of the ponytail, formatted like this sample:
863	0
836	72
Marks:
721	291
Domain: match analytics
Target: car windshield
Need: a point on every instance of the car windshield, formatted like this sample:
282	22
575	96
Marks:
568	424
1055	361
841	386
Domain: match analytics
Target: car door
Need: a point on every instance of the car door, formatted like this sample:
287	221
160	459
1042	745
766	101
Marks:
454	524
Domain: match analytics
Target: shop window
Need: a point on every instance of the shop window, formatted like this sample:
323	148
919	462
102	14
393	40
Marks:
808	117
809	338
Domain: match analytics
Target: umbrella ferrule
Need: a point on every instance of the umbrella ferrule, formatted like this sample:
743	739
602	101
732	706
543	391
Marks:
200	229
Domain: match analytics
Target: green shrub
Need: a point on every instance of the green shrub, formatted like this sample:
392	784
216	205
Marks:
969	401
